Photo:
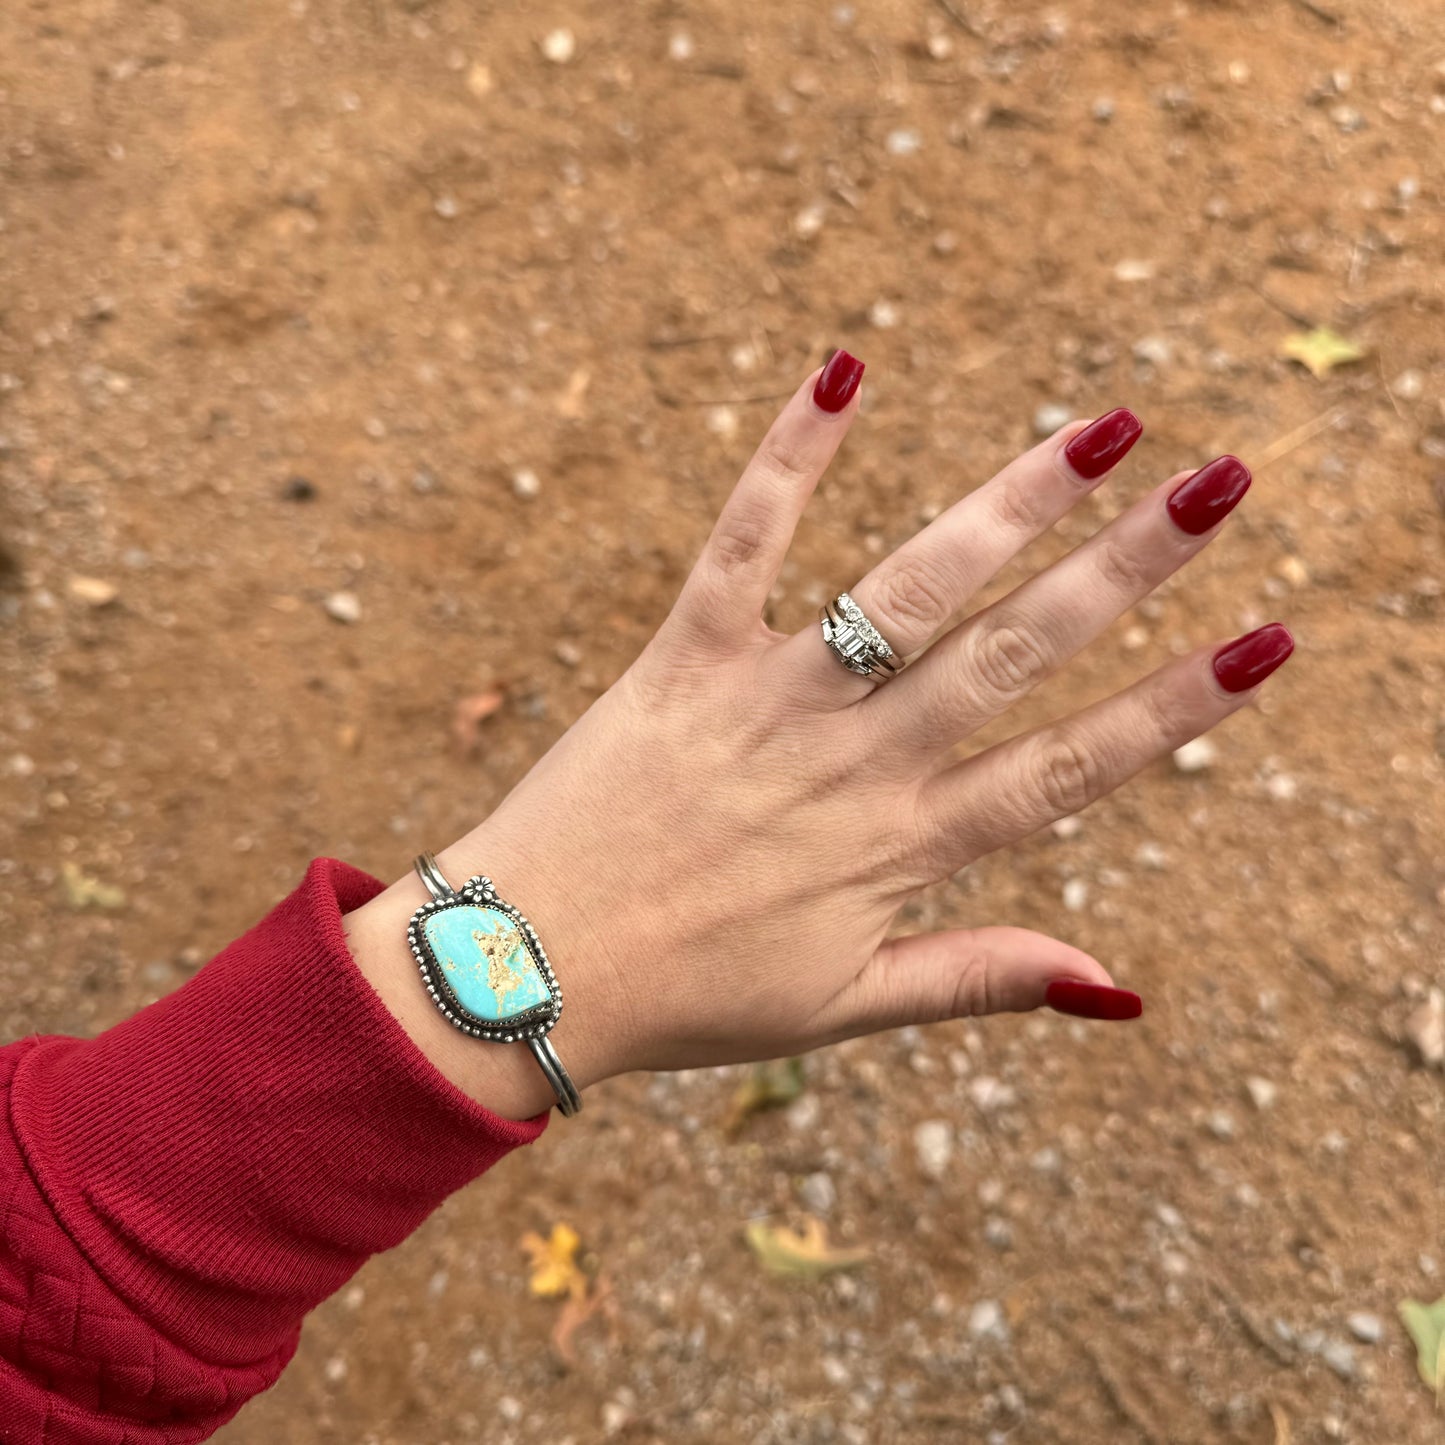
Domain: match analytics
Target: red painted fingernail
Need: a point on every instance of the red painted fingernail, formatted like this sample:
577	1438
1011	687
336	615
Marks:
1248	660
1092	1000
1103	442
1210	495
838	382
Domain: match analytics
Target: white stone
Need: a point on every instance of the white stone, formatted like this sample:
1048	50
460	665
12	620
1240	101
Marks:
818	1192
1154	351
344	607
986	1321
559	46
989	1094
1076	894
1221	1124
808	222
1050	416
1425	1029
1261	1092
903	143
1367	1328
1150	855
1130	270
1195	756
526	484
933	1142
883	315
1067	827
510	1409
680	46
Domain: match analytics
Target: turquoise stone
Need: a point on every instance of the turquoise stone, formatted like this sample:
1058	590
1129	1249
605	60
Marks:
486	963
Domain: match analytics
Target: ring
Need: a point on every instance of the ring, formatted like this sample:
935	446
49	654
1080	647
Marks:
855	642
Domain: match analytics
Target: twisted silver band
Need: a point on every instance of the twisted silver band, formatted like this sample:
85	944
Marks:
479	891
855	642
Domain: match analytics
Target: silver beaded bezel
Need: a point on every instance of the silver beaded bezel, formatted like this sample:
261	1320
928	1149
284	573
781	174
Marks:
478	892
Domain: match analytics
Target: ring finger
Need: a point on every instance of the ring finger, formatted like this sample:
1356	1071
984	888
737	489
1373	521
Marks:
912	596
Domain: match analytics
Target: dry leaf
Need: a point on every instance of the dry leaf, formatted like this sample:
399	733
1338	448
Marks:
470	713
1426	1324
577	1311
554	1263
1321	350
799	1254
83	891
767	1086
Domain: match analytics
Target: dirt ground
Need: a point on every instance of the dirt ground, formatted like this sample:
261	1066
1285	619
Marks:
401	299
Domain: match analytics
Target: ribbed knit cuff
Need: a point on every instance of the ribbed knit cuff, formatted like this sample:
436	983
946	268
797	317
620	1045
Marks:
233	1153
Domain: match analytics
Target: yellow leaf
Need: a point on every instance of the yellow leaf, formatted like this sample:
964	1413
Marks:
799	1254
554	1263
1426	1324
1321	350
83	891
767	1086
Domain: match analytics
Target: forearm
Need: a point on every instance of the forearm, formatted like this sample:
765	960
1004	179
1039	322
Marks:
206	1172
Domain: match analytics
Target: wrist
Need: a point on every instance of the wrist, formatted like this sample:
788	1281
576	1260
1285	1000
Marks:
505	1078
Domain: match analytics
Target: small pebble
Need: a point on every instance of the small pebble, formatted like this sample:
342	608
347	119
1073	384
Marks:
835	1371
883	315
1425	1029
93	591
1367	1328
344	607
1154	351
526	484
818	1192
446	207
945	243
903	143
1067	827
1221	1124
1103	110
299	489
808	222
1262	1092
989	1094
680	46
1195	756
559	46
933	1142
1135	270
1408	386
1150	855
1076	895
986	1321
1050	417
1340	1357
510	1409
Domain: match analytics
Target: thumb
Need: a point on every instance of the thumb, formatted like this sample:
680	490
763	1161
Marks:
968	972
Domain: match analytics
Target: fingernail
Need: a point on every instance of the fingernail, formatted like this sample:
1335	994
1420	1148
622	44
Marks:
840	378
1092	1000
1248	660
1103	442
1210	495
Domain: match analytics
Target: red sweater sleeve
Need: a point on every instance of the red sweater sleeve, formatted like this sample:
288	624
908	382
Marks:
177	1193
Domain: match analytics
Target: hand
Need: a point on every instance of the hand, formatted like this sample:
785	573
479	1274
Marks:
714	852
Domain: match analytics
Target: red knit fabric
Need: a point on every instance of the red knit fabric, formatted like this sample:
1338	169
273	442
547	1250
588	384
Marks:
177	1193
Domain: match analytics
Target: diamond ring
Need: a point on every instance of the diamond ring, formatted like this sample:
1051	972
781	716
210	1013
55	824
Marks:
855	642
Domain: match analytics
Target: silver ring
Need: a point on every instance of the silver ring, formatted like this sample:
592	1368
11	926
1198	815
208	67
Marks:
855	642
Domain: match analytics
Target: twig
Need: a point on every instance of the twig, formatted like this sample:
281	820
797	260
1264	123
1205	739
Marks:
1319	12
1299	436
1114	1389
1236	1310
959	18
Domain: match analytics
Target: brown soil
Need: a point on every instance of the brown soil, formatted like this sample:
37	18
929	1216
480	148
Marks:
387	247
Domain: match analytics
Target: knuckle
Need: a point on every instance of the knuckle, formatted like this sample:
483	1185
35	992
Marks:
1123	568
1009	660
739	542
783	461
1019	510
1068	774
910	593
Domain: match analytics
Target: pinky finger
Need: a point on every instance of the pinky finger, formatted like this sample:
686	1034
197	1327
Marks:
1009	791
